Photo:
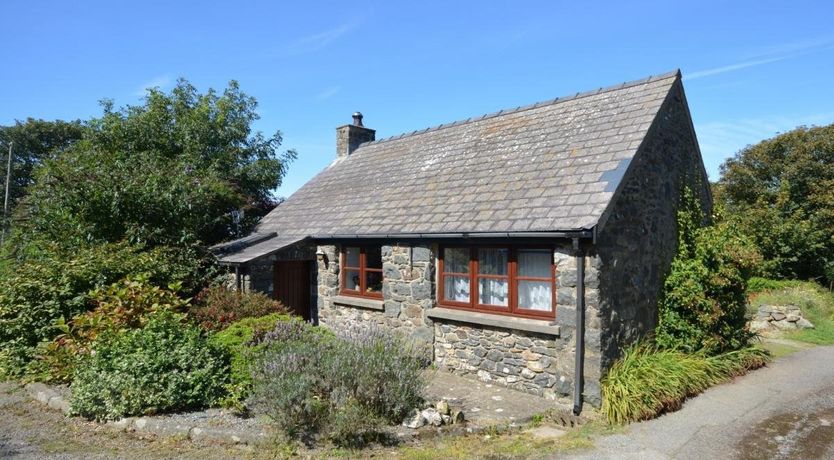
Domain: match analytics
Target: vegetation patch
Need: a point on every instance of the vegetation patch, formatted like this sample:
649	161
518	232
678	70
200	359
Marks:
816	303
217	307
240	341
778	349
514	445
705	294
40	295
649	380
165	366
344	389
124	305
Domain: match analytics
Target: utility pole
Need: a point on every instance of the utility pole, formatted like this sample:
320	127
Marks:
6	201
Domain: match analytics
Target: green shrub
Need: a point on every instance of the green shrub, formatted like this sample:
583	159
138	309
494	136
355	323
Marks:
166	366
649	380
705	294
344	388
123	305
40	294
240	342
216	307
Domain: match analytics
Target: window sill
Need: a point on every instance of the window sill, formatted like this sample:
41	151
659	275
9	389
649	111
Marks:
359	302
538	326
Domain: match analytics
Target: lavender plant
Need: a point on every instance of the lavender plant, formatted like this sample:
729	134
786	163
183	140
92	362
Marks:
343	388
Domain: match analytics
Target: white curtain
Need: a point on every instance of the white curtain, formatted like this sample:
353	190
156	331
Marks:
492	291
535	295
457	288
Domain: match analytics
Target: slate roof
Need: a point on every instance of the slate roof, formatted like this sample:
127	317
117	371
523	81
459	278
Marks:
548	167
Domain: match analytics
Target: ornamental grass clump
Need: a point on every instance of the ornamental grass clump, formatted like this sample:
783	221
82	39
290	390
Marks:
312	384
649	380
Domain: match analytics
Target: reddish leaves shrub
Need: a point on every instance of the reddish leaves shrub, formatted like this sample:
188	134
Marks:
216	307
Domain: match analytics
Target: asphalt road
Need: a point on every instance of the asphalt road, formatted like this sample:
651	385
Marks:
784	411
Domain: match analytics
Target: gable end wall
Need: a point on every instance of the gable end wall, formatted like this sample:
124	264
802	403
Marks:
639	240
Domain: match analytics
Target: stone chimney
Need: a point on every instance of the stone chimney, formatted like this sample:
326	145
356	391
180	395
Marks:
349	137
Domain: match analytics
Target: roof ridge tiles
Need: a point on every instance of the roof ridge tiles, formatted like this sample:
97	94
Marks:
603	89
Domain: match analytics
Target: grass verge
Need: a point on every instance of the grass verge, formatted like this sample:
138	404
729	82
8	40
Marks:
508	445
648	381
782	348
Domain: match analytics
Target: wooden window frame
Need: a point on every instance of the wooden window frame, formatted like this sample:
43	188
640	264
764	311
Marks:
512	308
363	270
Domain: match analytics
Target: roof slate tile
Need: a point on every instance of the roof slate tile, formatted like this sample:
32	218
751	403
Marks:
539	168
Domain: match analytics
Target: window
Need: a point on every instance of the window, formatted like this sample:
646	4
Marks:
362	271
504	280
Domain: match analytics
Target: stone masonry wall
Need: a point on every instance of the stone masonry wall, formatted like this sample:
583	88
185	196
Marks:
531	362
639	239
407	287
534	363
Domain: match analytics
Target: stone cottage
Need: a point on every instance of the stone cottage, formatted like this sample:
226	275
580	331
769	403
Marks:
525	247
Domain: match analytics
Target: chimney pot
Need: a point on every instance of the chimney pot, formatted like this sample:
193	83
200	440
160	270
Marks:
357	118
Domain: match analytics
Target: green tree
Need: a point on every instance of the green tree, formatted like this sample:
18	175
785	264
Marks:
781	193
33	142
167	172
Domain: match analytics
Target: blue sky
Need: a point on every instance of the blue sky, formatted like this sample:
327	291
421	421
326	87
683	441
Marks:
751	69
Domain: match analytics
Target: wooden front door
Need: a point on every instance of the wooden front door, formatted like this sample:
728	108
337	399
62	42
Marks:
292	286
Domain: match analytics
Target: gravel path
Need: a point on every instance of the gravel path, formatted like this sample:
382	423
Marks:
785	411
29	430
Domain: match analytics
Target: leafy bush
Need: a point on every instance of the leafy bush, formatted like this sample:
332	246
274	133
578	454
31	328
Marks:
344	387
240	342
705	294
165	366
649	380
123	305
216	307
48	288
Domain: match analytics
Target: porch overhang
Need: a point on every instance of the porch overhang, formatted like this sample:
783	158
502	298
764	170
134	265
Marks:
256	246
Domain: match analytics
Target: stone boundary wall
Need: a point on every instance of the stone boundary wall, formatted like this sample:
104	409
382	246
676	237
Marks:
211	426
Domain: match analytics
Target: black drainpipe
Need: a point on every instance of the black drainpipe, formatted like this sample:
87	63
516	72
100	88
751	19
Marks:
237	278
580	328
